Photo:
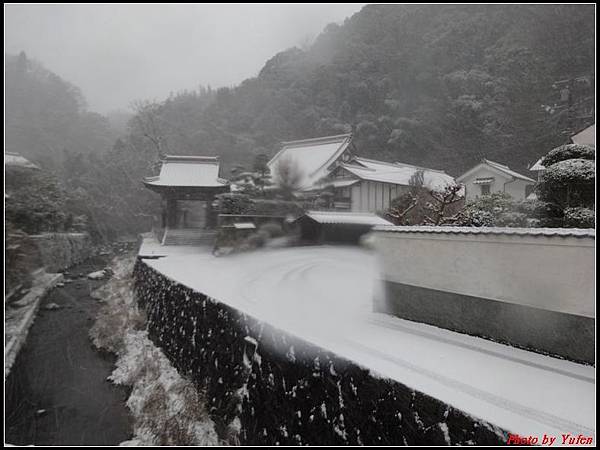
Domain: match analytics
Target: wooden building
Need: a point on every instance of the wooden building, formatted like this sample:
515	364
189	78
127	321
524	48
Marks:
187	186
358	184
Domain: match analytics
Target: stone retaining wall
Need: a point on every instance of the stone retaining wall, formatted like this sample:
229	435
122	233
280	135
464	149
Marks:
59	251
264	386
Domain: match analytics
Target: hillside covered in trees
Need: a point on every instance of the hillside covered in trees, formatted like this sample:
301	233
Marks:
440	86
435	85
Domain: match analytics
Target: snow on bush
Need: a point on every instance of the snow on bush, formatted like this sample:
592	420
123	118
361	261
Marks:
580	217
571	171
569	151
167	409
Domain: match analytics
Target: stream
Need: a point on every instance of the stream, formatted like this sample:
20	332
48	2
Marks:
57	392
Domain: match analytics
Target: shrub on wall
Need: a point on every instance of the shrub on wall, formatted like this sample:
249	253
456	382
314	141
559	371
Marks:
235	203
569	151
569	183
580	218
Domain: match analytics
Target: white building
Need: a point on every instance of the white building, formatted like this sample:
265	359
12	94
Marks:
489	177
359	184
586	137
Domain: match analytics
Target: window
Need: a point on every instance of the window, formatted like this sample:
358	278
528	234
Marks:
485	189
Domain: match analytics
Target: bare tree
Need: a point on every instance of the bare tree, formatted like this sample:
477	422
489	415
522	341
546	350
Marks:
287	176
403	205
147	121
441	211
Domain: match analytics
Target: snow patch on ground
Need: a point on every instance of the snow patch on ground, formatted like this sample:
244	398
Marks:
167	409
98	275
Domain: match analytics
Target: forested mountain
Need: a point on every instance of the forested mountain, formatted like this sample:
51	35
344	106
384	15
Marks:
440	86
46	118
435	85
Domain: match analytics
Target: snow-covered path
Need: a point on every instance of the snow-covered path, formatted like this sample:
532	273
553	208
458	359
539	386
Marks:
324	295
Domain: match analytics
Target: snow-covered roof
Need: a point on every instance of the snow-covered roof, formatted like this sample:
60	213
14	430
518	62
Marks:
397	173
312	156
188	171
337	183
497	167
244	226
563	232
586	137
348	218
16	160
538	165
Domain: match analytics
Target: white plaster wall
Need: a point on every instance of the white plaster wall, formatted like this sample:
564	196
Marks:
369	196
553	273
474	190
517	189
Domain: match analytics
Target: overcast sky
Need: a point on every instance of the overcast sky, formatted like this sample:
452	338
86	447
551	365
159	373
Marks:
120	53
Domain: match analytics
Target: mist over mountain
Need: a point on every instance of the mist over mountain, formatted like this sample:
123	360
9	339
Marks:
47	118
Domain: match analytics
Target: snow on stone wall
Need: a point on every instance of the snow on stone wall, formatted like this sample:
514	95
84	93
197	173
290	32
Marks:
265	386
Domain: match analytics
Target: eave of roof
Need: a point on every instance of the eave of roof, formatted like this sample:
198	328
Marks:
347	218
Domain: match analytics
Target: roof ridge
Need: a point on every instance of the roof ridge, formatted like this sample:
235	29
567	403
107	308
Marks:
489	161
323	139
375	161
507	170
343	164
191	158
398	163
346	213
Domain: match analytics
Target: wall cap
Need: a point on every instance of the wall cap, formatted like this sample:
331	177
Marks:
526	232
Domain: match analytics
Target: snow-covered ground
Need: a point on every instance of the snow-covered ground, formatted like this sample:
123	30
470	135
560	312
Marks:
324	295
151	248
166	407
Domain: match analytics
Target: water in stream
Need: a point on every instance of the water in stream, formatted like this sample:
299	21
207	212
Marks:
57	392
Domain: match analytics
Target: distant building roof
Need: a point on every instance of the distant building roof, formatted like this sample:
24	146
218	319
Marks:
586	137
397	173
188	171
16	160
538	165
312	156
244	226
495	166
347	218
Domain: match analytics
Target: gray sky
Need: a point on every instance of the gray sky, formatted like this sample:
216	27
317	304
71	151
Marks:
119	53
